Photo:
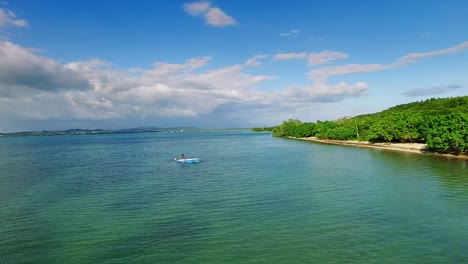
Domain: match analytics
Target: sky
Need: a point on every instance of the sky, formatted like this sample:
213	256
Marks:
224	63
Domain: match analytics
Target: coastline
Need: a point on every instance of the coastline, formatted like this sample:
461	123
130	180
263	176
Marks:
419	148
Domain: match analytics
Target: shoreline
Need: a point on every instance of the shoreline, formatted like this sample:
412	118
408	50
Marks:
418	148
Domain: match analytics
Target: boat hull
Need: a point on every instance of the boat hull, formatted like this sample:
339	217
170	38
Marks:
191	160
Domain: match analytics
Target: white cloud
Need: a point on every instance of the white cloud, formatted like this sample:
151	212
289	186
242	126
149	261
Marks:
313	59
292	33
20	23
413	57
33	87
22	69
425	34
253	62
40	88
7	17
290	56
324	73
322	92
197	8
213	15
4	16
168	69
325	56
216	17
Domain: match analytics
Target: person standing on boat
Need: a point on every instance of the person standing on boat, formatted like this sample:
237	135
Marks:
182	156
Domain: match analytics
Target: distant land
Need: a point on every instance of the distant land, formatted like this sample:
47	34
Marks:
79	131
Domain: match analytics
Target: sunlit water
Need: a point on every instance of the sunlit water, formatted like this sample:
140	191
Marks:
252	199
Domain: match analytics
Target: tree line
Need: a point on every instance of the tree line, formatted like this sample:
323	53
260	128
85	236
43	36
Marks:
442	124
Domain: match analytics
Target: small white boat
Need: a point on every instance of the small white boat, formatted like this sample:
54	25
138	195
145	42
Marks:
189	160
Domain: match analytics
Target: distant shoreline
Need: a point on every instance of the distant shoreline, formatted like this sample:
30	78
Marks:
79	131
402	147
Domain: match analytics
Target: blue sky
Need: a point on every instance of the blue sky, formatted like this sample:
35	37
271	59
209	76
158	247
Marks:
220	64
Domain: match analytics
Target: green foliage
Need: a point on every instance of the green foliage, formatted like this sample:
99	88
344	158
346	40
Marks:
262	129
277	132
402	126
294	128
440	123
449	133
434	106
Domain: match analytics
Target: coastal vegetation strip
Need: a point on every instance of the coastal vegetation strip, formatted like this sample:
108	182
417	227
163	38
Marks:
441	125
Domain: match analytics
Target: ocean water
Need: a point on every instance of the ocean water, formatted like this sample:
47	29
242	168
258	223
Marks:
251	199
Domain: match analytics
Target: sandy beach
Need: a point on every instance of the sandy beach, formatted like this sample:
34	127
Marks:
404	147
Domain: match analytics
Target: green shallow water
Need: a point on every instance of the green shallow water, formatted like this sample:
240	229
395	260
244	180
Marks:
251	199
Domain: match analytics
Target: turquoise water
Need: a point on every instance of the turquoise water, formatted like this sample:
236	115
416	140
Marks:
252	199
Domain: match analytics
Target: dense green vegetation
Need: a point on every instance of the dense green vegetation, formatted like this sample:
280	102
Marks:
262	129
440	123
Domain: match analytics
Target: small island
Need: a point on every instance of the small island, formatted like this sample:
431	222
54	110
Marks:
434	126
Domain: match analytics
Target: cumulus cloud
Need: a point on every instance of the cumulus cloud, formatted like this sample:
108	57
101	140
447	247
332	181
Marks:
21	69
313	59
7	17
432	90
216	17
40	88
414	57
253	62
197	8
34	87
325	56
322	92
291	33
324	73
168	69
290	56
213	15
